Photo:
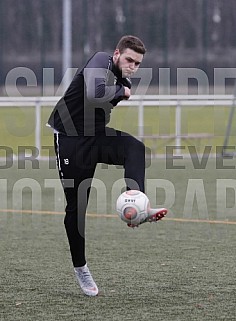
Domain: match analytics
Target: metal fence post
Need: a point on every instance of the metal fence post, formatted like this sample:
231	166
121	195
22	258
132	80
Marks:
140	119
38	126
178	126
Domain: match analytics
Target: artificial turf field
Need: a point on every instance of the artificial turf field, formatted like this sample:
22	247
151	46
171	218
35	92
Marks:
182	268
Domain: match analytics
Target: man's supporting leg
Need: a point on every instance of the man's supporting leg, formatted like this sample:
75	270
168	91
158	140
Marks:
79	170
77	200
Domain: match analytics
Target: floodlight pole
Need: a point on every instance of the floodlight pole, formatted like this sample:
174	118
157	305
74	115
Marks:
66	43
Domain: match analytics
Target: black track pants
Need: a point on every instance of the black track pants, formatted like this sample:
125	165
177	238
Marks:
77	157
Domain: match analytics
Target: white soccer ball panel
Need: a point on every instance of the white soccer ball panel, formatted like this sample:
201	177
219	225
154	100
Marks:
132	206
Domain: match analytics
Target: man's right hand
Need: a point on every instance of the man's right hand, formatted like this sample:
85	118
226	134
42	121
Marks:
127	93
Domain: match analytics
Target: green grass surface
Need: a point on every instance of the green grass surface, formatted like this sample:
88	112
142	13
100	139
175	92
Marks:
177	269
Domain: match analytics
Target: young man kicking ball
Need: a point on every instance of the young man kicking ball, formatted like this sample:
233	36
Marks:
82	139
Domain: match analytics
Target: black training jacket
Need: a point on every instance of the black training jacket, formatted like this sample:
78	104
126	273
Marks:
86	105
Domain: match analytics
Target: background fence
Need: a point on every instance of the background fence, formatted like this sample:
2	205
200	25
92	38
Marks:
173	120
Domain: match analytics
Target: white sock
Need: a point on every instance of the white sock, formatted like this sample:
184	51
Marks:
80	268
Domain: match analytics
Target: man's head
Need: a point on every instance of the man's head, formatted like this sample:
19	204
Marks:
129	55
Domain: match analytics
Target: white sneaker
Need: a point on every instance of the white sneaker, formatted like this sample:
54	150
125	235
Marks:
154	215
86	281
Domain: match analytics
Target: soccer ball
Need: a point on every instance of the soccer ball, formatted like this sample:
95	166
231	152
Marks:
132	207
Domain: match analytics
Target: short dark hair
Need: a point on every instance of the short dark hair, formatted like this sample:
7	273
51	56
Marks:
131	42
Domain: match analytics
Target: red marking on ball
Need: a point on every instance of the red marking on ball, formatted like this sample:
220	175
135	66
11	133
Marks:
130	213
132	192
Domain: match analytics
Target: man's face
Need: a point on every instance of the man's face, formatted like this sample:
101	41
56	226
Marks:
128	61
